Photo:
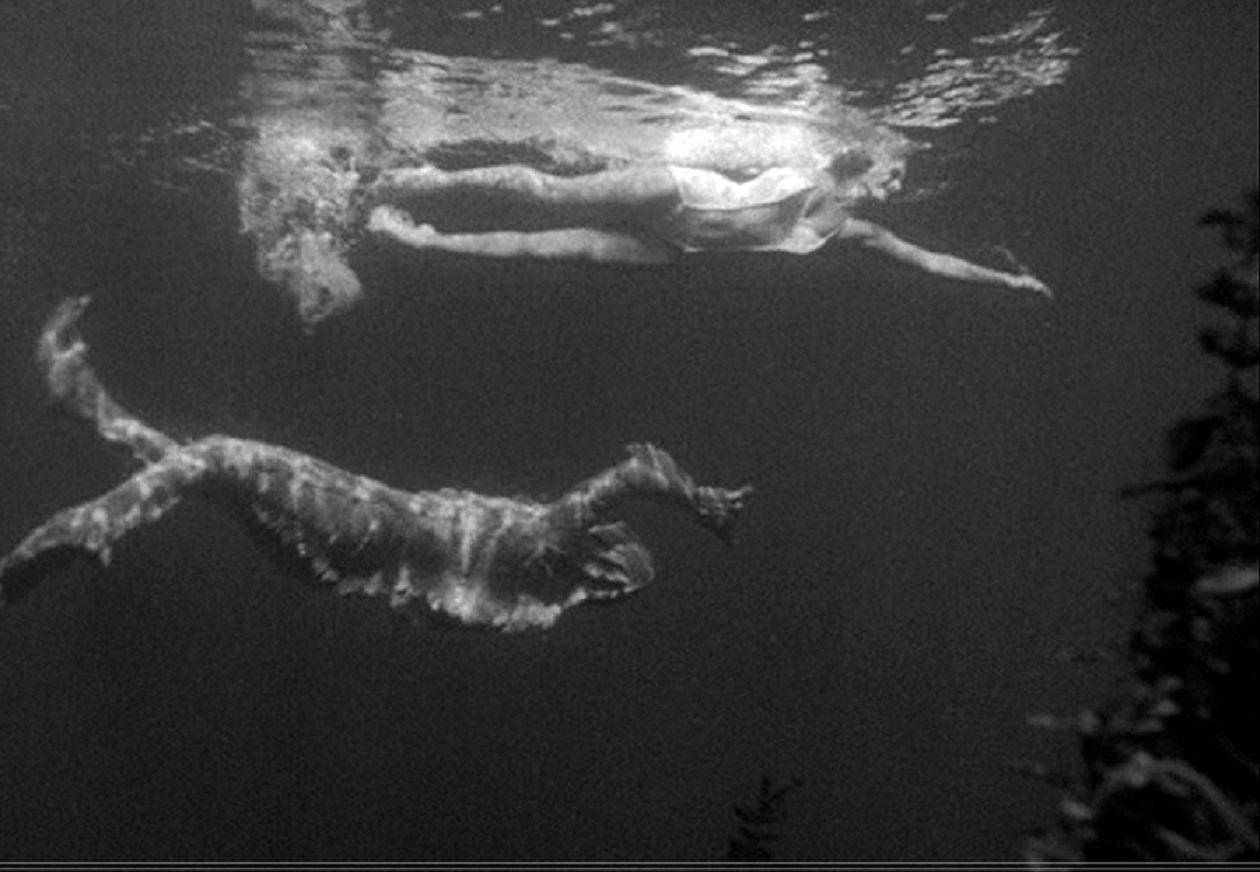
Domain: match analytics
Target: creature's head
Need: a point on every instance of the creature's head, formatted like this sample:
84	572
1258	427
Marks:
322	281
613	562
525	582
600	564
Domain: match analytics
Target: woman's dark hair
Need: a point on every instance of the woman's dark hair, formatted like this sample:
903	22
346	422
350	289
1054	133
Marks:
849	163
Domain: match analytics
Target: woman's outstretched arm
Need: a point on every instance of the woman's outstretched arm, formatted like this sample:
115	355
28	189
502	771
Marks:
885	242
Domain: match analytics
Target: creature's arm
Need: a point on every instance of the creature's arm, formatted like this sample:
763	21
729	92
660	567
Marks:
574	243
518	565
649	473
885	242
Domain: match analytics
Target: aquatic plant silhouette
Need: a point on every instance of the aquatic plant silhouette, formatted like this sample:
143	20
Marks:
1171	765
759	822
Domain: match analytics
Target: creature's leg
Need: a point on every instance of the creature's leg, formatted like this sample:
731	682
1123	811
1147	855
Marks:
649	473
294	493
92	527
73	385
577	243
313	506
598	193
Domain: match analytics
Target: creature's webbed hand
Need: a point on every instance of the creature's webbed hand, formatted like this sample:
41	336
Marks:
719	509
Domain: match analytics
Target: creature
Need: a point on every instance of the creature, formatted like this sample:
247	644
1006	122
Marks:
481	561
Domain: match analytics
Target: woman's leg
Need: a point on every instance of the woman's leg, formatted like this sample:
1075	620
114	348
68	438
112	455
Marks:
575	243
634	188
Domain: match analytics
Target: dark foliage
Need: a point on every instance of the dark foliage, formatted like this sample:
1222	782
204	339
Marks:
1171	766
759	822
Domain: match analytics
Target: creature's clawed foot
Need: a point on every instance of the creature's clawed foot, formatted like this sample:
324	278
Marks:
62	351
69	533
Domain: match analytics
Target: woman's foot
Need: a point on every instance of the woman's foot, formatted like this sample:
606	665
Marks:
395	223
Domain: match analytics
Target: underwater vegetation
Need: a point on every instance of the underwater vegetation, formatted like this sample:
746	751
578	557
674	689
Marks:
759	821
1170	767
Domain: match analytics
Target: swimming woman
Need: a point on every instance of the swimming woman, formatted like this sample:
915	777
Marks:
655	213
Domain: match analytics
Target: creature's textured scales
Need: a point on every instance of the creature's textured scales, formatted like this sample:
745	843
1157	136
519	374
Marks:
481	560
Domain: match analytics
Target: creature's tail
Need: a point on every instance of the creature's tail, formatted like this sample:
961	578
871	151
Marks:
72	385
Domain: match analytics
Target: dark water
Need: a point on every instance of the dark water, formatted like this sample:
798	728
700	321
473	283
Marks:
936	466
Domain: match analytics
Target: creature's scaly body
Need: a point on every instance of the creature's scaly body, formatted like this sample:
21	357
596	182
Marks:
490	561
